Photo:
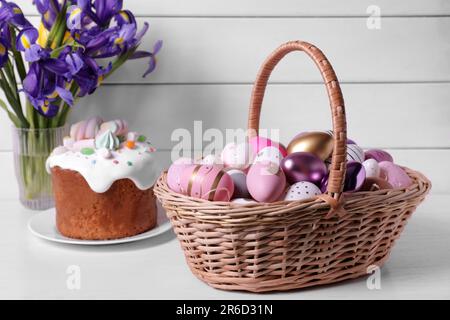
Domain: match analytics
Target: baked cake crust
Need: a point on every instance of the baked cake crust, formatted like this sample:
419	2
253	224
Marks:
122	211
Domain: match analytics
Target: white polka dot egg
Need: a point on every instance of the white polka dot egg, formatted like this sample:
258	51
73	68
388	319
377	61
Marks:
301	191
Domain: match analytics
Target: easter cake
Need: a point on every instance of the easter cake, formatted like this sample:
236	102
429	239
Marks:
103	180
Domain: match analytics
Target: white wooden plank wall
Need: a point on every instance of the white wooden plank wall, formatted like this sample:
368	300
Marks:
396	79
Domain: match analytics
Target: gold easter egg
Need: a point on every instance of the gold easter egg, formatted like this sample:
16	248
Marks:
318	143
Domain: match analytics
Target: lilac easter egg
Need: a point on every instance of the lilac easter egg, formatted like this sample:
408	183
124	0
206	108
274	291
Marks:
354	177
237	155
265	181
301	191
240	183
207	182
258	143
378	155
395	175
304	166
174	175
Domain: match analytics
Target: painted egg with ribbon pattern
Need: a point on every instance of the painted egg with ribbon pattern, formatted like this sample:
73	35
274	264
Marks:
355	153
175	171
237	155
269	154
301	191
265	181
395	175
258	143
207	182
315	142
378	155
240	183
303	166
354	176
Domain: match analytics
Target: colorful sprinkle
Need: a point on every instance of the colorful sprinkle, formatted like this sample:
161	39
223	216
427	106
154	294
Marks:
87	151
115	162
141	138
94	162
129	163
130	144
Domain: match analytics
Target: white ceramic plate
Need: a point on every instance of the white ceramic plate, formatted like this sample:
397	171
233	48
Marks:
43	225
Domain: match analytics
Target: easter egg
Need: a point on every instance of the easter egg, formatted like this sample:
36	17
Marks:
243	201
316	142
355	153
175	171
265	181
374	183
240	183
258	143
395	175
303	166
378	155
354	176
372	168
301	191
207	182
237	155
269	154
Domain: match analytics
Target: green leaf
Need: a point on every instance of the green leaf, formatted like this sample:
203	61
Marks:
11	115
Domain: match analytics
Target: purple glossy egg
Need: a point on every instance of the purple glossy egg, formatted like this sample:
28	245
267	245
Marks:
378	155
304	166
324	183
354	177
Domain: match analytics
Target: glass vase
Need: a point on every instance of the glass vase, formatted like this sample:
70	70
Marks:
31	148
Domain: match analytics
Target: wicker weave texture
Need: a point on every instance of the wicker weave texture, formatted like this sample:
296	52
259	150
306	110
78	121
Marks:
289	245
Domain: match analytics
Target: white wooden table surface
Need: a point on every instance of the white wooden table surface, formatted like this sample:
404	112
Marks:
31	268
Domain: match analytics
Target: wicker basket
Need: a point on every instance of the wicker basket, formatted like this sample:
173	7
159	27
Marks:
289	245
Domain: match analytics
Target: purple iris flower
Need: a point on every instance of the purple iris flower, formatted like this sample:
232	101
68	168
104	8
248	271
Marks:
26	42
105	10
49	10
12	14
3	52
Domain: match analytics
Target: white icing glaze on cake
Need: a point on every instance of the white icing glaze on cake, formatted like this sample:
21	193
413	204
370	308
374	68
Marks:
101	168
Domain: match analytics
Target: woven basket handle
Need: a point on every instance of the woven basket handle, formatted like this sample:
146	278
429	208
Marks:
338	164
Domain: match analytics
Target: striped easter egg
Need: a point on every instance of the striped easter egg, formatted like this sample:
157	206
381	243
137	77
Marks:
208	182
355	153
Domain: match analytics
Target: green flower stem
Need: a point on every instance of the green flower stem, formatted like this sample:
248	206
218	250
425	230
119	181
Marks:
11	115
17	56
13	101
31	114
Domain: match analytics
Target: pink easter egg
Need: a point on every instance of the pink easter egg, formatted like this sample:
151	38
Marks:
207	182
175	172
258	143
266	181
395	175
